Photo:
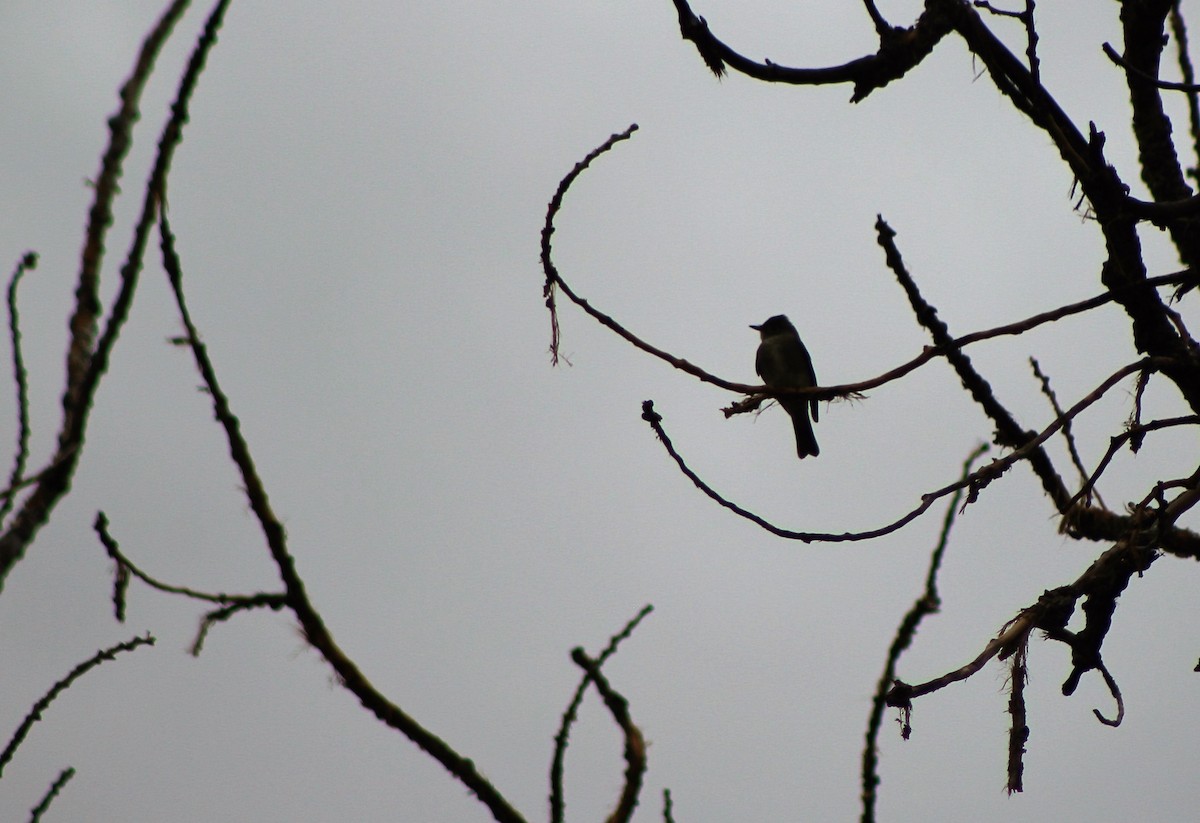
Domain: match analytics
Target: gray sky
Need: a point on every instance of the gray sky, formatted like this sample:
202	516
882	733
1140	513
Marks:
358	202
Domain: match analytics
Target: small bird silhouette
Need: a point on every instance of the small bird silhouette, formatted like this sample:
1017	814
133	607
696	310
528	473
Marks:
783	362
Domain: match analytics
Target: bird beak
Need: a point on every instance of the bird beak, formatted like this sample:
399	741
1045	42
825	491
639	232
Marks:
756	328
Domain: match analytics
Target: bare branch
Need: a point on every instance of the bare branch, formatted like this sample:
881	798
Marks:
635	744
64	777
58	688
552	277
1166	85
114	551
946	346
1180	38
977	481
557	805
1130	434
230	604
900	50
86	360
1031	35
27	262
1066	430
296	595
1008	431
1115	690
1009	640
1018	733
928	603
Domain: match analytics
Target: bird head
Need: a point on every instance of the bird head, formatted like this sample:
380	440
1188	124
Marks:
779	324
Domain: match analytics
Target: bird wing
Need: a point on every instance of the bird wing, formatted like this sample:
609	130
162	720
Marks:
812	377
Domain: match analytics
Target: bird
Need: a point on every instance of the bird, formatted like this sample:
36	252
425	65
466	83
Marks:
783	362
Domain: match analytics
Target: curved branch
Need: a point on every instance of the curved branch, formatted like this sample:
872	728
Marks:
100	525
311	622
1166	85
635	744
230	604
975	482
557	806
1009	640
58	688
1115	690
900	50
943	348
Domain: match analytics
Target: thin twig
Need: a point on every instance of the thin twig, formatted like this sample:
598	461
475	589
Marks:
557	804
975	483
1031	35
1130	434
1180	37
58	688
21	378
86	359
552	278
635	744
1165	85
1066	430
901	694
313	625
64	777
928	603
100	525
1115	690
230	604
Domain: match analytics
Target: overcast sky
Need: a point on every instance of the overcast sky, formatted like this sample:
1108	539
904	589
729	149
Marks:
358	202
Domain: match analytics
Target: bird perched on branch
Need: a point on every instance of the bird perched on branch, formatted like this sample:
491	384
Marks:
783	362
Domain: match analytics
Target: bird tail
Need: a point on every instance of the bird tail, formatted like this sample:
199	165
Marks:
806	441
